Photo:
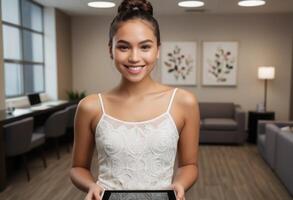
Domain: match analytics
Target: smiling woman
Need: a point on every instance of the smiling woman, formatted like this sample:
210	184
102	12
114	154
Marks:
140	126
134	50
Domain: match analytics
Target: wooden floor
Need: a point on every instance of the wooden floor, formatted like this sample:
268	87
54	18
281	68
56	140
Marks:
226	172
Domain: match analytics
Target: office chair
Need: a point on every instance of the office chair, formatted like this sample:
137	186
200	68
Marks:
20	139
71	114
55	127
70	124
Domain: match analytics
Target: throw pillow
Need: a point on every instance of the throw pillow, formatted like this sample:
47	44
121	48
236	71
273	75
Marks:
287	129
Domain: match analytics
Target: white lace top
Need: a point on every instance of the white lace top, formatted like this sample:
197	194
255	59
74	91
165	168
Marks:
136	155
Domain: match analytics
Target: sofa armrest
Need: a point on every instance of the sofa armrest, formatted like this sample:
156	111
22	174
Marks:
271	131
261	124
240	118
284	161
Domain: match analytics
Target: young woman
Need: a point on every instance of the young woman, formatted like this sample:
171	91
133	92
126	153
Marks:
140	126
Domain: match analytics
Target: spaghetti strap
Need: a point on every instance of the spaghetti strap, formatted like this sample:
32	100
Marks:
101	102
171	100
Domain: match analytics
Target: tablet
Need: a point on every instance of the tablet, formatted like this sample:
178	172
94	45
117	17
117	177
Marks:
139	195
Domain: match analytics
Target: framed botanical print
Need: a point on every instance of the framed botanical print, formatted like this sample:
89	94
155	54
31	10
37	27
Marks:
220	61
178	63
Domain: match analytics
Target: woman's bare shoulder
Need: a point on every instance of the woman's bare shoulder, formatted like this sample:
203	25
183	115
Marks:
186	98
89	104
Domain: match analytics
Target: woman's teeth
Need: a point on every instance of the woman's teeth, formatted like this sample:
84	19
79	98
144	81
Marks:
134	69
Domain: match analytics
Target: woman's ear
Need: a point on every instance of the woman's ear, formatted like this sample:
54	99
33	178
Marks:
158	53
110	52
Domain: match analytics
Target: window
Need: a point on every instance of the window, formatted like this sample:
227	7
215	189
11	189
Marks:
23	46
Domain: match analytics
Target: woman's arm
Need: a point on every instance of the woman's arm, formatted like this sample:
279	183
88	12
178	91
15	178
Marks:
84	144
187	172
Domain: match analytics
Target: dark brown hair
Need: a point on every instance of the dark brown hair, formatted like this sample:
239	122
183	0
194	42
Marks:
134	9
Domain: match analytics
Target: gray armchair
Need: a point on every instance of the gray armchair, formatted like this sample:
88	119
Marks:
71	114
55	127
19	140
71	110
222	123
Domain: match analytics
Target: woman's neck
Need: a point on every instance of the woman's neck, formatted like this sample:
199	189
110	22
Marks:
143	87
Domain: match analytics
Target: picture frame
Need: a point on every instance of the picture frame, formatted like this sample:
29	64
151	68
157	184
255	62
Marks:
220	63
178	63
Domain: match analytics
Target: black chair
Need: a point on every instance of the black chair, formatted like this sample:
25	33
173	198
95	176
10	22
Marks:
55	127
71	114
20	139
71	110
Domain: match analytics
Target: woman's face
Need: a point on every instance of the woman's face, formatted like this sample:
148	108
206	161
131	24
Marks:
134	49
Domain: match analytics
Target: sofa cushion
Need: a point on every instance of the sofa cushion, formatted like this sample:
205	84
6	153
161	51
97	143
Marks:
216	110
219	124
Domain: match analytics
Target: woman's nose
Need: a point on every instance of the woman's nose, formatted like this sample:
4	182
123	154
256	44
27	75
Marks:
134	56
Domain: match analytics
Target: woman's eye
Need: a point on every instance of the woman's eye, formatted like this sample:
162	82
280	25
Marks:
123	48
146	47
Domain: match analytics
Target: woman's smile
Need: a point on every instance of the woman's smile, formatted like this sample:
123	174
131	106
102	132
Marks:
134	69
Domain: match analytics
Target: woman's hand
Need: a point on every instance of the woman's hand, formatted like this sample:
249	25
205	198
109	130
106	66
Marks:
179	191
95	192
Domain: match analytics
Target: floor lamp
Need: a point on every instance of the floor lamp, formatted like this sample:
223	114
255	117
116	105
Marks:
266	73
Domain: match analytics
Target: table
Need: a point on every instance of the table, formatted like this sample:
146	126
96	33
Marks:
253	117
20	113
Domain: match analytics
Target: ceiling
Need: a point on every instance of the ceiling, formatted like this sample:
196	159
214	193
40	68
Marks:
169	7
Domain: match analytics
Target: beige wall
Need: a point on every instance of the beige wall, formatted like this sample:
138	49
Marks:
263	40
92	68
64	59
291	101
2	90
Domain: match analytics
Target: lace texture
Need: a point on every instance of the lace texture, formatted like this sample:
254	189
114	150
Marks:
136	155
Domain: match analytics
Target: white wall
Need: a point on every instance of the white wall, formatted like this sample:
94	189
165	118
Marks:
263	40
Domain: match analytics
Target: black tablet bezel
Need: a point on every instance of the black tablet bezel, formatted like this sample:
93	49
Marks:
107	193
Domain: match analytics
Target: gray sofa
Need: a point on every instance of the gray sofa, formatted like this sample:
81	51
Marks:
221	123
276	147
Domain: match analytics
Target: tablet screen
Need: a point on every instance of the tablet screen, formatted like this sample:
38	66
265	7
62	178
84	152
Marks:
139	195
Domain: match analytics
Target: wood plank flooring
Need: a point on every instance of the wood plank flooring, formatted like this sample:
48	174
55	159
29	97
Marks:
226	173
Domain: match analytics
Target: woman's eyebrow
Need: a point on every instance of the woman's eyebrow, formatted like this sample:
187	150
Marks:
144	41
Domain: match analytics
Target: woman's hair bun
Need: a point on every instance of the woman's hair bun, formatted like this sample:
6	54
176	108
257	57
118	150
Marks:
135	5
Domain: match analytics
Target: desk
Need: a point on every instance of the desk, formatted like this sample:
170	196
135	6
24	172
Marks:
253	117
20	113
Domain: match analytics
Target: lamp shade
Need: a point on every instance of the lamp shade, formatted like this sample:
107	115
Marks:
266	72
